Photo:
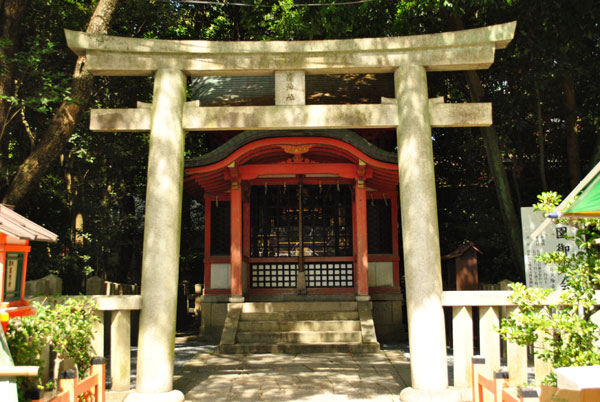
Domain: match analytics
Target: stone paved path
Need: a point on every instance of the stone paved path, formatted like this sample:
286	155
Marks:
308	377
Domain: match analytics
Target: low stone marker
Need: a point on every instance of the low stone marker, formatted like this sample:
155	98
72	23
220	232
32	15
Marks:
50	285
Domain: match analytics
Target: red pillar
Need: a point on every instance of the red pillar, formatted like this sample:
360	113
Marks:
362	253
236	241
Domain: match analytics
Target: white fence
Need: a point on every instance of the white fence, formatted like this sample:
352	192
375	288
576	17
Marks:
119	308
492	306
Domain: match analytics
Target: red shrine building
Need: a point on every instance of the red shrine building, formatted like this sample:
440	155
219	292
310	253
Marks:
302	215
321	204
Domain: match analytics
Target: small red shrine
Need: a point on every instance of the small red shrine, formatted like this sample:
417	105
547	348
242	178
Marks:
16	232
289	212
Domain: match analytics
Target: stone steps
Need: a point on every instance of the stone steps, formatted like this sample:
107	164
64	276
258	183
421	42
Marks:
302	316
313	306
298	348
309	337
299	327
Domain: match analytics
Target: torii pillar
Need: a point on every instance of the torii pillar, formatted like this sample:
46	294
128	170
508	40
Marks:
420	241
162	234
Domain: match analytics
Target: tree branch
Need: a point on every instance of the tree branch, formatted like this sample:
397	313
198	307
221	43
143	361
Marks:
55	137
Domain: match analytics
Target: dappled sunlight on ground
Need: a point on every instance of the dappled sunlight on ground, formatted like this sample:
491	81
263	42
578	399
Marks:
309	377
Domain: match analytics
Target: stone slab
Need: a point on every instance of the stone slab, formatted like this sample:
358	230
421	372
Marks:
296	117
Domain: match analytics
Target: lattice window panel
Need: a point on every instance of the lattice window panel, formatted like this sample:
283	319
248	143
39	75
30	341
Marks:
276	275
329	275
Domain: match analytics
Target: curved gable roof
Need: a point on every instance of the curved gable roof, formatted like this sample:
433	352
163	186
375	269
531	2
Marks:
247	137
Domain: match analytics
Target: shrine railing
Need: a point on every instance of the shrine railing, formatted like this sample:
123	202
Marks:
119	310
71	389
492	306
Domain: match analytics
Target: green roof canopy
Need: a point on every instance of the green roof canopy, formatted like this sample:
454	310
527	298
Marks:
588	203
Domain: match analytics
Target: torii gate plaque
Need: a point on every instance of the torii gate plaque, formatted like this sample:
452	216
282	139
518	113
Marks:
412	113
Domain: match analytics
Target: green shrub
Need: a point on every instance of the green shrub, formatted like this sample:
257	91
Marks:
63	323
565	327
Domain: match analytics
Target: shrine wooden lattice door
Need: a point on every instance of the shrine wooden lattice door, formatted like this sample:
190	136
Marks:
325	248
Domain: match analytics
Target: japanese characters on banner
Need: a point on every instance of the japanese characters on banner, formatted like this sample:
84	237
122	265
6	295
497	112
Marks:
553	238
11	273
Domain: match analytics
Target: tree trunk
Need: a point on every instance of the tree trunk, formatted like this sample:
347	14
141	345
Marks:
55	137
73	184
541	139
512	223
492	149
571	131
11	13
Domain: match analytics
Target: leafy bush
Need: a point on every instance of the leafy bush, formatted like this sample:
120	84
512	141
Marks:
64	324
565	327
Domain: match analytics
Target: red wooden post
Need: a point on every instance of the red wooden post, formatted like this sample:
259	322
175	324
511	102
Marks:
478	365
236	240
362	257
67	383
500	382
527	394
99	368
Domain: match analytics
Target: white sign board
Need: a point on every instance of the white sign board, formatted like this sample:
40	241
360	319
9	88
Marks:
551	239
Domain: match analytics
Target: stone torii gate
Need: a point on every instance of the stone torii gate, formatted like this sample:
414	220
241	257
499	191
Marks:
170	62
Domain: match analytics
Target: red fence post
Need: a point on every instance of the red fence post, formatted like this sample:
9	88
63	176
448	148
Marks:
527	394
99	367
500	381
68	382
478	362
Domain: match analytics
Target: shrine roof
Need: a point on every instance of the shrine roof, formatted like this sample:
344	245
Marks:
16	225
248	137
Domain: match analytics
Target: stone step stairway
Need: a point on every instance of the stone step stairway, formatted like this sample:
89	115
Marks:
299	327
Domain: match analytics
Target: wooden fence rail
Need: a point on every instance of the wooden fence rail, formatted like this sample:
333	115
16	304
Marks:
92	388
497	387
